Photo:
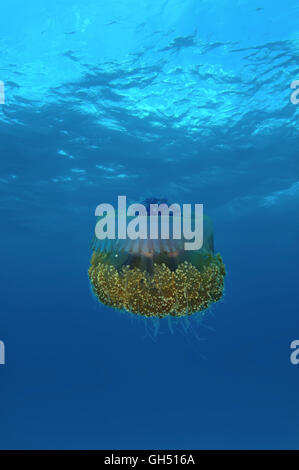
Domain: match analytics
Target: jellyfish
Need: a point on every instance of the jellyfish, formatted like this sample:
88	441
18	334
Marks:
157	278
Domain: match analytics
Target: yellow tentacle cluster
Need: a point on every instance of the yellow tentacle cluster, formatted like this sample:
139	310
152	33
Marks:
163	292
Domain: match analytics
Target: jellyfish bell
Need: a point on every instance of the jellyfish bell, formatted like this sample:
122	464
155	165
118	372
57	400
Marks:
156	276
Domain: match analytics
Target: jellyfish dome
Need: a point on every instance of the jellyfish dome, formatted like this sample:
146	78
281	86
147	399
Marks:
157	277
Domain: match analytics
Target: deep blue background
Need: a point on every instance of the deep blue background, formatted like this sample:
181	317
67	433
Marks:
152	100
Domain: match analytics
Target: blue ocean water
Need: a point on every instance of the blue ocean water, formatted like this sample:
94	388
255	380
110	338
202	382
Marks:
184	99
